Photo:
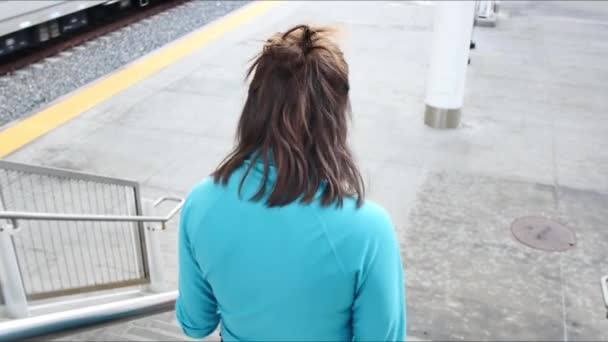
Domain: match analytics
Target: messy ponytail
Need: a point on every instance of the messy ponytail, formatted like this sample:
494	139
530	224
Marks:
296	114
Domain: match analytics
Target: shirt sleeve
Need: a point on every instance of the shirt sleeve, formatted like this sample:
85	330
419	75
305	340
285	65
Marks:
379	304
196	307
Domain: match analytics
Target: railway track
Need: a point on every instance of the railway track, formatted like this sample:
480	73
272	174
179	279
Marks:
27	57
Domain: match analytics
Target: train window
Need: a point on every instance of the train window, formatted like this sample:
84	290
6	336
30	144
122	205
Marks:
54	29
43	33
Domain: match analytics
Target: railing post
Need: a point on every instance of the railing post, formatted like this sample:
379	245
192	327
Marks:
155	261
12	285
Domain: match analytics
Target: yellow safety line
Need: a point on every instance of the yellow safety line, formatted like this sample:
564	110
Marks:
58	113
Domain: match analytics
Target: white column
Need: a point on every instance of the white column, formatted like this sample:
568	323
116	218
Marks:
155	260
10	276
449	55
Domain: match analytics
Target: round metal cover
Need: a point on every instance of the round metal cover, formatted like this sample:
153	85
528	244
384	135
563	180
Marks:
542	233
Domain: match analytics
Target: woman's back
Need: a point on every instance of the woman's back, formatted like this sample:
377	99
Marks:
279	243
288	273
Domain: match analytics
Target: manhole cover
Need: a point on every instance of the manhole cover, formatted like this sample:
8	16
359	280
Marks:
542	233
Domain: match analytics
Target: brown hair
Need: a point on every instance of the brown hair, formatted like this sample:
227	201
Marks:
296	114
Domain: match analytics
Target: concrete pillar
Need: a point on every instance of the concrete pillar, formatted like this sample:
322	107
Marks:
449	55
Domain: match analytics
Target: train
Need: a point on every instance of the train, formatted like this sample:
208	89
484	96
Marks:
29	23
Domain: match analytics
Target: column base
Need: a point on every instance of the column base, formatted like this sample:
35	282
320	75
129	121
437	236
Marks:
441	118
486	22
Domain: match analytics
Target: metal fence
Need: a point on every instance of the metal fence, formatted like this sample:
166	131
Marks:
62	257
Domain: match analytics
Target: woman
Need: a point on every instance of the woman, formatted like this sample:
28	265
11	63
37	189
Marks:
279	244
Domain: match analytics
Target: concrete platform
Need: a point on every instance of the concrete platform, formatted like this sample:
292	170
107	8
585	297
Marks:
534	141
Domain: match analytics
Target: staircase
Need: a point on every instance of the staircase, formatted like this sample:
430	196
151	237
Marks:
76	248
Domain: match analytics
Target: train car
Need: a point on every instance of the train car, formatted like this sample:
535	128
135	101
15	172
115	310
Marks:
29	23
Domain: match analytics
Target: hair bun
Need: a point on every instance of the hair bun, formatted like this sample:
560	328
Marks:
288	50
306	39
284	55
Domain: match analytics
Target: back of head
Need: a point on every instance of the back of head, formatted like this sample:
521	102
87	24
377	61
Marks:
296	117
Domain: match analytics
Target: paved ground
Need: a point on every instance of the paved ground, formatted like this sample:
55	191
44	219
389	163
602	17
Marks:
533	142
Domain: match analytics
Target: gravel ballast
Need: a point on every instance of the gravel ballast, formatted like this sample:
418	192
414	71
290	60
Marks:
36	85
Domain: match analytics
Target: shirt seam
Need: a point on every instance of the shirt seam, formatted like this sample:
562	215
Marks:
331	244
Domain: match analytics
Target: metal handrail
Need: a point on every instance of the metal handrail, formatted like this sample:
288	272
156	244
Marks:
13	216
37	326
56	172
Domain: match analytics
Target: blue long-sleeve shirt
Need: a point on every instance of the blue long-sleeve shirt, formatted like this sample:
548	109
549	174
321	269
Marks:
298	272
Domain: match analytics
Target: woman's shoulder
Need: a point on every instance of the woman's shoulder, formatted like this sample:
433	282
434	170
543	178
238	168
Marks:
204	187
359	233
369	212
202	190
370	220
203	195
